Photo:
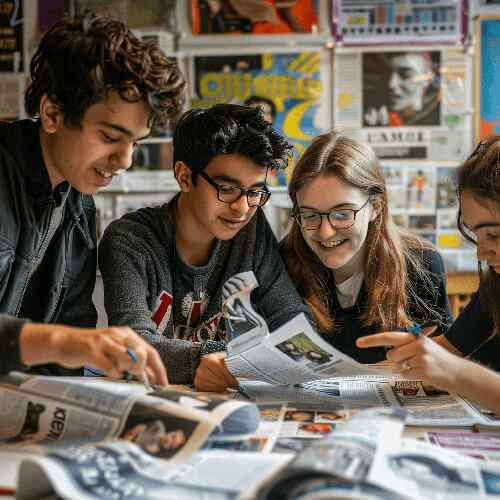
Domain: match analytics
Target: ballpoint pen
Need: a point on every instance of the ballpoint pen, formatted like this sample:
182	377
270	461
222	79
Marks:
418	328
144	377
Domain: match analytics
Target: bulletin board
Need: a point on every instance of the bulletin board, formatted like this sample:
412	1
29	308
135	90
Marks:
487	71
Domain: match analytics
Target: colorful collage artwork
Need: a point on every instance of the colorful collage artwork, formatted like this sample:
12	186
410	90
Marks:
289	85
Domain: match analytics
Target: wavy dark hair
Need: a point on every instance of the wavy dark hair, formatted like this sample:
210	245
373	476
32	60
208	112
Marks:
391	252
203	133
81	58
480	176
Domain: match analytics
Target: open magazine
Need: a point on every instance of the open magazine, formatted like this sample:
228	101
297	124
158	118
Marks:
367	458
294	353
295	364
109	437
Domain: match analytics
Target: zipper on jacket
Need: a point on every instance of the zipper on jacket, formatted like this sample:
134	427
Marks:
20	302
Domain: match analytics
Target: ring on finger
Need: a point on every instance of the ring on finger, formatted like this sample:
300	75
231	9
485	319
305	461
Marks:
131	343
405	366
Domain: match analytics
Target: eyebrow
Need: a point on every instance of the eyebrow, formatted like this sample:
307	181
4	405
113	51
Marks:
225	178
123	130
485	224
340	205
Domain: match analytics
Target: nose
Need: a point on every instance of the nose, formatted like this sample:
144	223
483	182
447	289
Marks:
326	230
122	156
240	205
394	81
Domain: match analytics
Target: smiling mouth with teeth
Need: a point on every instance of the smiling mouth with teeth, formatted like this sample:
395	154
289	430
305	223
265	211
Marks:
331	244
104	174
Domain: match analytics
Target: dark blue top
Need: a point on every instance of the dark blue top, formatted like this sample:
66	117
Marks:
471	331
348	325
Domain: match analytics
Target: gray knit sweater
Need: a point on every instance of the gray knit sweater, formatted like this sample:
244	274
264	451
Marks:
139	261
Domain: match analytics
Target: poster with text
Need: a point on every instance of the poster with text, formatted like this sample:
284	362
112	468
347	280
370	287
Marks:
11	35
410	104
288	86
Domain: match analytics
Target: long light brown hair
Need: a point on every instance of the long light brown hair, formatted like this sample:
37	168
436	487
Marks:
480	175
390	252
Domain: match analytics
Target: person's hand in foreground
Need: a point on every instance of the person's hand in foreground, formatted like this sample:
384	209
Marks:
105	349
212	375
418	358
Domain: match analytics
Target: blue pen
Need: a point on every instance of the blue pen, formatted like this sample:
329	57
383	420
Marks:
144	377
418	328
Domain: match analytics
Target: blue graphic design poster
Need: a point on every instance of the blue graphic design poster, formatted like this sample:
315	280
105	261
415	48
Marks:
489	105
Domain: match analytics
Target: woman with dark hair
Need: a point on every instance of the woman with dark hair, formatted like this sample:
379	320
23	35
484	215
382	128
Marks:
476	328
357	270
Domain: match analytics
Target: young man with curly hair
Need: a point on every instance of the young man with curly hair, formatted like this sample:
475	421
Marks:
96	89
164	269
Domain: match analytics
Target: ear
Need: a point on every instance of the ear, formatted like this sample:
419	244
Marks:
183	175
51	115
377	206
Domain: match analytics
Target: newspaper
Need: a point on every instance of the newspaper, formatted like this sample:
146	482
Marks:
103	435
426	405
367	458
294	353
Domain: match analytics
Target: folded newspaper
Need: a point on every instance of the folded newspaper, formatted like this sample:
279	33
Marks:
367	458
101	438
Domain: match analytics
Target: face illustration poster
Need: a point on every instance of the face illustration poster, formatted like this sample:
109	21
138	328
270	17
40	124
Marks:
409	103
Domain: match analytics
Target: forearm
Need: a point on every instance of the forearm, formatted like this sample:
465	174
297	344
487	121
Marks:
36	344
479	384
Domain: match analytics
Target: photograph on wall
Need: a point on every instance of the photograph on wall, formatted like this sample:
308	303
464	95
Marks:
255	17
288	86
362	22
411	104
487	96
11	36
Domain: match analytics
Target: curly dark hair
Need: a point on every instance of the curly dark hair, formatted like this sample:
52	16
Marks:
81	58
479	174
203	133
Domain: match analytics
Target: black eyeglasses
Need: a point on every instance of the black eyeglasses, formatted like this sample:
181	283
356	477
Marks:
231	194
343	218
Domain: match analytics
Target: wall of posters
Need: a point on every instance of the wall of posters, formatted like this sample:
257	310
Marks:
257	17
288	85
487	97
362	22
410	103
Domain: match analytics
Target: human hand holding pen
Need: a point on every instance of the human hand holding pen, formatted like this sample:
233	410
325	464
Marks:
103	348
417	357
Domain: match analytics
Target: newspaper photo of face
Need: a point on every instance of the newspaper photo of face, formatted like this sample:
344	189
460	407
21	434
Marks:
401	88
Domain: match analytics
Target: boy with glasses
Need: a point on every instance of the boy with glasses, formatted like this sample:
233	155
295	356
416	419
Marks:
164	268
